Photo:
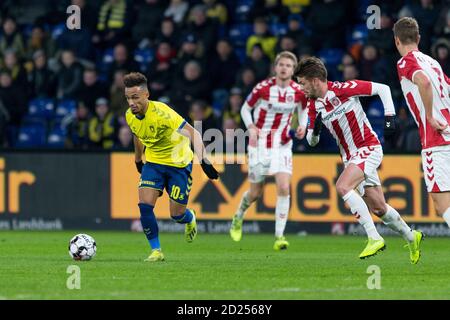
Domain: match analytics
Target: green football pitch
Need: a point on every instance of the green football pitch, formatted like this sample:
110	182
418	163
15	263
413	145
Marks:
34	265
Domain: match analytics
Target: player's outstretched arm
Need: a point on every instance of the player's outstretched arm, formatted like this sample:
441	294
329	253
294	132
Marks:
384	92
426	94
199	149
138	151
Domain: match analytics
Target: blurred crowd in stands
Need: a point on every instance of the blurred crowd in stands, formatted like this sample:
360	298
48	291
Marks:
62	88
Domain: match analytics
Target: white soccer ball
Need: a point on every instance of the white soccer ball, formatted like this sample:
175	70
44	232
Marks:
82	247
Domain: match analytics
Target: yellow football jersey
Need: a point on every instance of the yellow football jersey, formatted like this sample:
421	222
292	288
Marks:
158	132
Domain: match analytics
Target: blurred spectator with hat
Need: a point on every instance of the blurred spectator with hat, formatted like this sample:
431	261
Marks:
191	86
124	139
40	78
168	32
221	78
233	107
69	77
203	28
148	21
441	52
77	128
91	89
103	126
259	62
201	112
11	38
189	51
263	37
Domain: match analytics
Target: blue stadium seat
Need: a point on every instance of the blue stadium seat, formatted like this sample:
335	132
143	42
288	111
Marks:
108	56
56	138
41	108
376	109
58	30
222	31
245	2
104	61
358	34
26	30
144	57
241	54
65	108
239	33
242	13
278	29
32	135
332	58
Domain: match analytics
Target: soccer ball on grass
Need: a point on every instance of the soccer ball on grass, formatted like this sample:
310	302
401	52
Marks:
82	247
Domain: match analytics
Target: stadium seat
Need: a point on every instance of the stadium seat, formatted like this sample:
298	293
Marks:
246	2
104	61
41	108
332	57
241	54
32	135
65	107
108	56
144	57
239	34
56	138
242	13
222	32
357	35
58	30
376	109
27	30
278	29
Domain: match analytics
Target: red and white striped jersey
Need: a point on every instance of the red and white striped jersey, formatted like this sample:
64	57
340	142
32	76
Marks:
407	66
273	108
343	115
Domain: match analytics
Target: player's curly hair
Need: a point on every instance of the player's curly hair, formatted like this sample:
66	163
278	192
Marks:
311	67
134	79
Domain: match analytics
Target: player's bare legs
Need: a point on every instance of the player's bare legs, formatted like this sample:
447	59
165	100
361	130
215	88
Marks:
180	214
441	202
249	196
147	201
283	181
350	178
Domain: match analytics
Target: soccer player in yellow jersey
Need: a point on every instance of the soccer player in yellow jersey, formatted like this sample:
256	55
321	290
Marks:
166	138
